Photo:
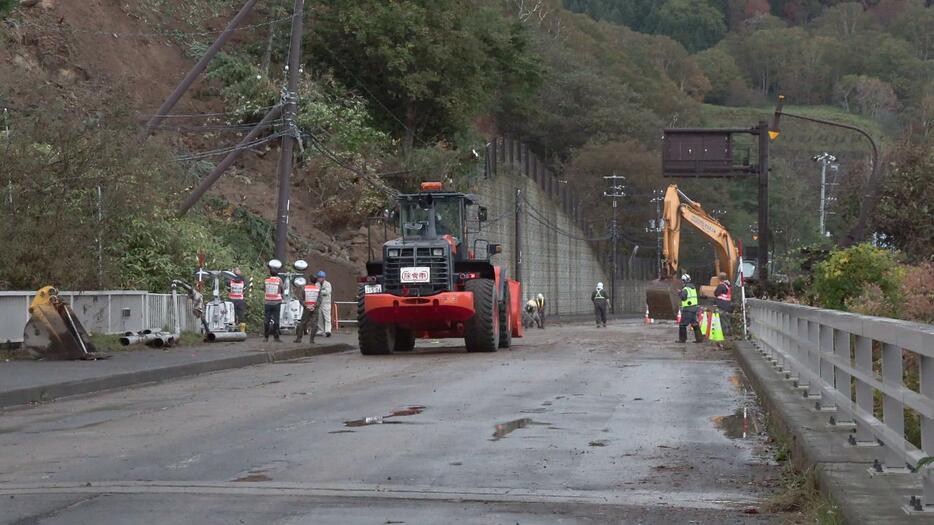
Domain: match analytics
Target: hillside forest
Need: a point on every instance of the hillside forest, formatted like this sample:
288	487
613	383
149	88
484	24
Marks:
394	93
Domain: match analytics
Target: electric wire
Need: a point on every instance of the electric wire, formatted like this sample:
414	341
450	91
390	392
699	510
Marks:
373	181
229	149
539	217
167	33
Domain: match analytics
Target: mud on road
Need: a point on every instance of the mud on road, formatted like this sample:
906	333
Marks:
574	424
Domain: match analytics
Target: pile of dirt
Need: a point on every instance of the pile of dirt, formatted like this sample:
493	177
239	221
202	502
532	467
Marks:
97	51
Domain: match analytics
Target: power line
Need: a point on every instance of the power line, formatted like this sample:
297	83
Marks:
168	33
538	216
229	149
218	114
375	182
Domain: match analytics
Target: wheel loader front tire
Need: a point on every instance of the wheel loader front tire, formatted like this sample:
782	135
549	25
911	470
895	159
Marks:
505	321
373	338
481	332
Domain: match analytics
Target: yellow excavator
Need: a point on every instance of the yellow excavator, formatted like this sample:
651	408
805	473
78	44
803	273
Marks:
661	296
54	332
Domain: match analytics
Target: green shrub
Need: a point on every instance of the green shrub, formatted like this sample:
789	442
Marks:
6	6
847	273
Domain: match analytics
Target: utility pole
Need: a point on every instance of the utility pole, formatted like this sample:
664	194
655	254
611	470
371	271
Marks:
763	255
291	136
198	68
614	191
825	159
518	244
658	196
6	135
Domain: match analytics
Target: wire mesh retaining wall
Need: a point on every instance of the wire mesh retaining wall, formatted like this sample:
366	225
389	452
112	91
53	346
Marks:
843	362
105	312
560	257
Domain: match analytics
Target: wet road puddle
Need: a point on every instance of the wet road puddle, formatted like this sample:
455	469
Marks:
504	429
381	420
742	424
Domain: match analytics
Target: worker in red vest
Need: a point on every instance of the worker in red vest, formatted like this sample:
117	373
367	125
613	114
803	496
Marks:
308	294
724	297
236	293
272	300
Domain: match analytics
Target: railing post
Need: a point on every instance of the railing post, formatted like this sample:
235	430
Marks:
813	363
800	346
893	411
843	380
927	431
863	391
825	342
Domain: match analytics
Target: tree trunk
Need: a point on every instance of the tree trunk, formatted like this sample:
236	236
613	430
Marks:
411	116
267	55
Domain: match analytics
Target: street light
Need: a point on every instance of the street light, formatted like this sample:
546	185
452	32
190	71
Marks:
856	233
825	159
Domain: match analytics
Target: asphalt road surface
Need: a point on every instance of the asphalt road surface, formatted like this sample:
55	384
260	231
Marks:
574	425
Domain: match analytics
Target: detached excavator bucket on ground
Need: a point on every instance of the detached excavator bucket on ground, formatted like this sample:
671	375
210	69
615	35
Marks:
661	297
54	332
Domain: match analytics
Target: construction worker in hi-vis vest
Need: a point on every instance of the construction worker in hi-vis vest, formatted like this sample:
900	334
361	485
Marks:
236	293
308	294
272	300
689	311
724	297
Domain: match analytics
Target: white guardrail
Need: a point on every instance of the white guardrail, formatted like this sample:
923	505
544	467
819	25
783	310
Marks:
842	361
106	312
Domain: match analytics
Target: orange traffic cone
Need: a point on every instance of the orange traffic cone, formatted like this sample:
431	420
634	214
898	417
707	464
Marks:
648	320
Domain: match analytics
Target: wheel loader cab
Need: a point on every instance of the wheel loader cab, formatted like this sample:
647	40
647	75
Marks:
424	218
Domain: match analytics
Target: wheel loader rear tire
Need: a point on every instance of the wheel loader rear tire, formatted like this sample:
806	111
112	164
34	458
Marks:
481	332
373	338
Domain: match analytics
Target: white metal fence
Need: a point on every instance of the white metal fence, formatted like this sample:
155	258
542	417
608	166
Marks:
105	312
843	362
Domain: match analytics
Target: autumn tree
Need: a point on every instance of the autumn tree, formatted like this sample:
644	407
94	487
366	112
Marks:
721	70
694	23
903	215
428	66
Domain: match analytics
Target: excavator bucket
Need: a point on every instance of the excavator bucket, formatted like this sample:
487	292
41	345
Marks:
54	332
661	297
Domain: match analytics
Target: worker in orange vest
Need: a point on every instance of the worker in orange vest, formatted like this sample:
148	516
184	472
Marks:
308	295
724	296
236	293
272	300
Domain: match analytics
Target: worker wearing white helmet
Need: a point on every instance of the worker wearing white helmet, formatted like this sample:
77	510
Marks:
324	304
272	300
601	302
540	306
689	305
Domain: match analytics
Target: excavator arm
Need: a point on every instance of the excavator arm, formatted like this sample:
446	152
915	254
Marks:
678	208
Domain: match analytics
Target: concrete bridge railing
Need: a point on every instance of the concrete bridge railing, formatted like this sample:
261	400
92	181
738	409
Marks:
854	368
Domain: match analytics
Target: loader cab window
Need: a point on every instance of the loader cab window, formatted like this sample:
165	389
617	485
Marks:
448	217
415	219
430	217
